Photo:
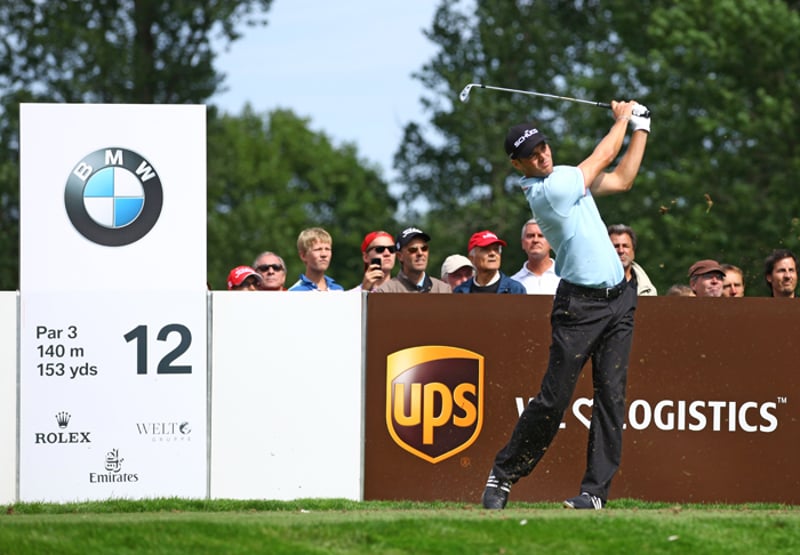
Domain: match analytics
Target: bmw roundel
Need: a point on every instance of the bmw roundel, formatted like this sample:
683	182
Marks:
113	197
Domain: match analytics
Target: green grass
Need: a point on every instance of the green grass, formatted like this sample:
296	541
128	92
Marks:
172	526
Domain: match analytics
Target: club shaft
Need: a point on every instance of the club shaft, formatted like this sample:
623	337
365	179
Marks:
545	95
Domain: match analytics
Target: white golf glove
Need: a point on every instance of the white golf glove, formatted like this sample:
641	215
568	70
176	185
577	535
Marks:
638	118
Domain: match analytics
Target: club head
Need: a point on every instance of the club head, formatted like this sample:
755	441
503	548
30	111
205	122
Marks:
464	96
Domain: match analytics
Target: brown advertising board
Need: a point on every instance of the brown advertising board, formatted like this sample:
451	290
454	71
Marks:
713	387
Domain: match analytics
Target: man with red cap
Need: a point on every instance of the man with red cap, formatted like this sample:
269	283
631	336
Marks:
243	278
485	251
378	253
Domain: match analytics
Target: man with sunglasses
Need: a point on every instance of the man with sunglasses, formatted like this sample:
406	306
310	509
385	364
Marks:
411	245
272	270
377	246
593	308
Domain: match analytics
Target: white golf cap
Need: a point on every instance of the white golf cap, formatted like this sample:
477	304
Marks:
453	263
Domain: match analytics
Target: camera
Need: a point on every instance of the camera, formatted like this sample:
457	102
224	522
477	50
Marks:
375	262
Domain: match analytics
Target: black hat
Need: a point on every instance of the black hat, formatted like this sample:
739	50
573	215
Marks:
522	139
409	233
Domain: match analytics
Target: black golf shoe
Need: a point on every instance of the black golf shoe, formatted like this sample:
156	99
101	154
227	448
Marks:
495	496
585	501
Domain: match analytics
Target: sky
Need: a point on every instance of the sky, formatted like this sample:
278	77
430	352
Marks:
346	66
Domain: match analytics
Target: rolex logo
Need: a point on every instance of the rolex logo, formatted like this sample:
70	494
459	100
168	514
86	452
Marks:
63	419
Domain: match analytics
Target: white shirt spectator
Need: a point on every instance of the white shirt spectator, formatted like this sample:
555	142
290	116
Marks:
544	284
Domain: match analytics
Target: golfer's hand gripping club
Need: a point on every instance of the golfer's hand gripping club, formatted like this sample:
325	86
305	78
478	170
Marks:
640	118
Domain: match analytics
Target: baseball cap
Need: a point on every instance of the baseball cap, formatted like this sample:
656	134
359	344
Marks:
409	233
704	267
371	236
239	274
455	262
484	239
522	139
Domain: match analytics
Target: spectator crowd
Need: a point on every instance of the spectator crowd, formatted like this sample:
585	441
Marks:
478	268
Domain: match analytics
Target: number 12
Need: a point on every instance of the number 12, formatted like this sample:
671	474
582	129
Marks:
165	366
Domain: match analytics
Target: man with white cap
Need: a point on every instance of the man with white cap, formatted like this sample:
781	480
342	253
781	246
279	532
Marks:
485	251
456	269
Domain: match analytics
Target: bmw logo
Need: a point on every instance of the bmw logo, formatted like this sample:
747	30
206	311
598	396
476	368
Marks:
113	197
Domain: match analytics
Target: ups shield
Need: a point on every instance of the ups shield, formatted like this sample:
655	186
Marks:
434	400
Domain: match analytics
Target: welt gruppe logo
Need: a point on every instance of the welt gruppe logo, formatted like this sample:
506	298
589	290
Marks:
113	196
434	400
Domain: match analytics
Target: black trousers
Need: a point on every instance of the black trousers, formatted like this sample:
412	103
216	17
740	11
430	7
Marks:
596	323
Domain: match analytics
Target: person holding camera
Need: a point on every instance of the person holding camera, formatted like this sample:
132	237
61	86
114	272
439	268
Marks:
378	253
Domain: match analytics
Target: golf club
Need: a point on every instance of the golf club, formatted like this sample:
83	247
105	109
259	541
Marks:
464	96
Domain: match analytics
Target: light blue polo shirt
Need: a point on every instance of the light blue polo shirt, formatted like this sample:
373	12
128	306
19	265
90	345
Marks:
570	221
305	284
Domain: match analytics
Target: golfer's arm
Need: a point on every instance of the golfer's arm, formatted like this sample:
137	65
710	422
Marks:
621	179
604	153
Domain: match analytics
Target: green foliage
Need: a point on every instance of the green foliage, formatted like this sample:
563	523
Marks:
113	51
462	170
270	177
717	178
719	78
722	163
144	51
9	224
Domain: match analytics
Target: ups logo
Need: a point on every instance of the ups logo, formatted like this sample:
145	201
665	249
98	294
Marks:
434	400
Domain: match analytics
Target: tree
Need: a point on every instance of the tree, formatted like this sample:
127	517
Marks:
145	51
136	51
462	171
722	173
270	177
718	78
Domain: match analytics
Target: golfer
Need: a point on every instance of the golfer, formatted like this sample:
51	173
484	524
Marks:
592	310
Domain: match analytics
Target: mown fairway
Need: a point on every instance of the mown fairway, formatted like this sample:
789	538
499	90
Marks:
337	526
